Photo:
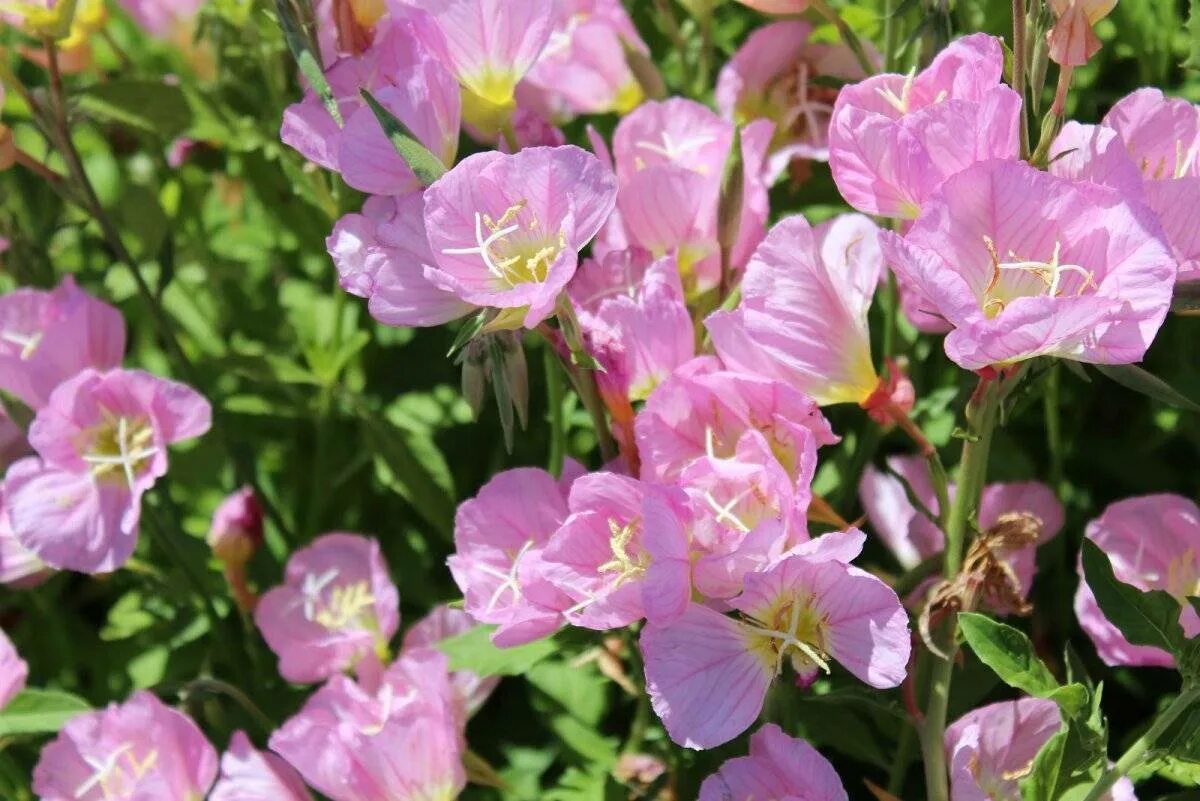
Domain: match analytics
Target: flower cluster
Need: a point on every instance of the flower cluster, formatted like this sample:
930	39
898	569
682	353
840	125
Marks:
708	339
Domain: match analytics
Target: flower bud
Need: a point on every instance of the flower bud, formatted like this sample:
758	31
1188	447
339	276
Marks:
237	528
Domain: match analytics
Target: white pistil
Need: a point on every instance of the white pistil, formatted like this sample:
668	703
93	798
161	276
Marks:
127	456
483	245
312	588
899	103
671	150
790	638
725	513
509	581
102	770
27	343
1183	164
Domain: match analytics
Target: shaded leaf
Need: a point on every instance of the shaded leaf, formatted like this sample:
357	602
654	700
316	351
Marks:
1010	654
149	106
1140	380
40	712
1145	618
426	166
473	650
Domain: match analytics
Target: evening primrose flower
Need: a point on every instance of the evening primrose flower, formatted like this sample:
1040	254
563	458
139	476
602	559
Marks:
488	45
506	230
778	766
139	749
401	741
1025	264
337	606
894	139
1072	39
248	774
13	670
101	441
1153	542
708	674
48	336
803	315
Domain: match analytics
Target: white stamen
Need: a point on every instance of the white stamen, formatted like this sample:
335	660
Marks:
483	245
672	150
899	103
725	512
509	580
313	586
102	769
27	344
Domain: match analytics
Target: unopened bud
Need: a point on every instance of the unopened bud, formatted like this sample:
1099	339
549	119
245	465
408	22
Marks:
237	528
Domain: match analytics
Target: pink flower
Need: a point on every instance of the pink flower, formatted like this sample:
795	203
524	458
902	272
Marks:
1162	138
638	328
13	444
702	410
771	76
617	557
670	157
778	766
138	749
912	537
161	17
1026	264
803	315
745	514
13	671
401	743
251	775
499	538
409	82
336	606
1072	40
989	749
1168	560
237	527
382	254
101	441
488	45
443	622
506	230
582	69
894	139
19	567
708	674
47	337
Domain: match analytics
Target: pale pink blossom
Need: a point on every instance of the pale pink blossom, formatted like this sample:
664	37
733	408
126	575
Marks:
101	443
488	45
13	670
583	69
778	766
639	332
991	748
248	774
499	539
506	230
138	749
337	606
1162	137
616	556
1153	542
708	674
443	622
20	567
703	410
894	139
381	254
1025	264
401	742
47	337
669	159
772	76
803	315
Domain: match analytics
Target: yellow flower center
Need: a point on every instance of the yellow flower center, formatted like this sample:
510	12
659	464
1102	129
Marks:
791	627
1007	282
513	250
120	449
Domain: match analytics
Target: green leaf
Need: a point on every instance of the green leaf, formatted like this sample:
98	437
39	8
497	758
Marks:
426	166
1010	654
40	712
1193	36
1145	618
1140	380
408	472
473	650
307	58
1042	782
149	106
580	690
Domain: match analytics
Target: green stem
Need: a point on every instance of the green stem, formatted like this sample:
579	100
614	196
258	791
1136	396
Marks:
1019	56
1053	413
217	687
554	399
982	416
891	36
1132	757
849	37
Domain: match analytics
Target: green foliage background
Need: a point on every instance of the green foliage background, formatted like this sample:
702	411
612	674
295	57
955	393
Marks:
348	425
